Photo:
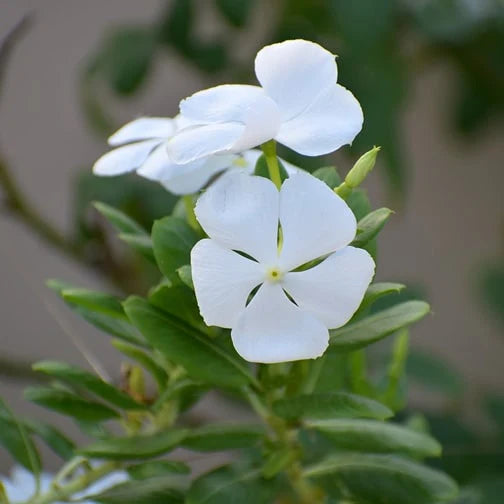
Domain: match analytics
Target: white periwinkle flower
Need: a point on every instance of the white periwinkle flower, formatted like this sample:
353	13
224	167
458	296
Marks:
289	316
20	486
298	104
141	147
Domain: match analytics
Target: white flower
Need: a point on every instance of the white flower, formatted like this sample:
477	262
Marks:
141	146
289	316
299	105
21	485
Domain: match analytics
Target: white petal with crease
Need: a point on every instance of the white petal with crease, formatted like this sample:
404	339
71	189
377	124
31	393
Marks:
314	220
333	290
143	128
332	121
223	281
241	213
294	73
273	329
124	159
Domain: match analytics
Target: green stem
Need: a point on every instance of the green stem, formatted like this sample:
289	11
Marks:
58	493
269	150
190	215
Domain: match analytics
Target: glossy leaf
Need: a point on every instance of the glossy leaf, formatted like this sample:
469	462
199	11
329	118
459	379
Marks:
223	437
141	243
69	404
329	175
58	442
95	301
119	220
376	327
135	447
173	240
330	405
82	379
378	290
182	344
378	437
386	479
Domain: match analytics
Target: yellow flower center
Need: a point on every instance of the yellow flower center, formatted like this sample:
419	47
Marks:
274	274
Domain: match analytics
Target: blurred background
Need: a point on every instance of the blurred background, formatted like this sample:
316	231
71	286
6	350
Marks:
430	77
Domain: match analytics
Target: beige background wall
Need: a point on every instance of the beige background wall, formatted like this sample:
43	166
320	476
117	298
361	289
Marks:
452	220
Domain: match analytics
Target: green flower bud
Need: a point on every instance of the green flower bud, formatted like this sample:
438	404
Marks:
361	168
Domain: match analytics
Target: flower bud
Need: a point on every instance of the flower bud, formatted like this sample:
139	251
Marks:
361	168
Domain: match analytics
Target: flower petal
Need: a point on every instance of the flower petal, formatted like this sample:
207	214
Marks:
332	121
333	290
156	165
225	103
124	159
241	213
191	177
143	128
294	73
196	142
314	220
273	329
223	281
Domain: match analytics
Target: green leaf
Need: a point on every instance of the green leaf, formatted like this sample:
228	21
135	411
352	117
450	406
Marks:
373	436
187	346
386	479
433	373
378	290
176	24
185	275
378	326
156	468
53	438
95	301
119	220
173	240
81	379
223	437
14	438
235	11
158	490
177	300
329	175
135	447
495	407
141	243
229	485
330	405
370	225
67	403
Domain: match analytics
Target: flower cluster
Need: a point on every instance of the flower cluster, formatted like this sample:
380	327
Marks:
277	267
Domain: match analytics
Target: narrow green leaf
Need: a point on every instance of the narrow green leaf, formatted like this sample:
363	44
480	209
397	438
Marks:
119	220
330	405
370	225
370	329
386	479
185	275
378	437
378	290
223	437
53	438
135	447
173	240
66	403
278	461
14	438
229	485
140	243
158	490
156	468
82	379
95	301
186	346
